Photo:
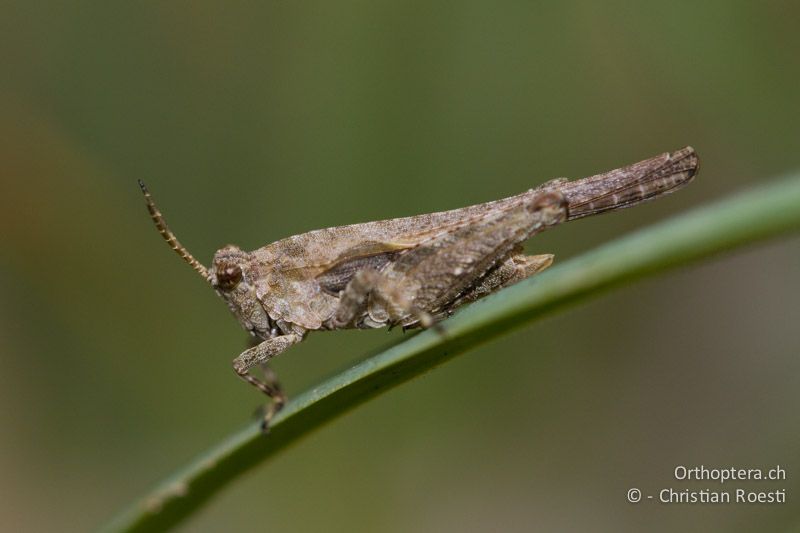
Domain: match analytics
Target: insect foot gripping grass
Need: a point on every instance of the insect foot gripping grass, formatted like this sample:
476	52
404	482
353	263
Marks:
410	272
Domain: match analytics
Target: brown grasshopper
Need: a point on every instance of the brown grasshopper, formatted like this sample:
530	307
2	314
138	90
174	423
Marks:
410	272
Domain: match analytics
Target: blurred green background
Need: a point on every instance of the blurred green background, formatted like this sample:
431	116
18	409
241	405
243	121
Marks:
252	121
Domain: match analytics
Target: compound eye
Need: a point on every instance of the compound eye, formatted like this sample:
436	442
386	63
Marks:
229	277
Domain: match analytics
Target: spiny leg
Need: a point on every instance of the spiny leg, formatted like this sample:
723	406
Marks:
259	355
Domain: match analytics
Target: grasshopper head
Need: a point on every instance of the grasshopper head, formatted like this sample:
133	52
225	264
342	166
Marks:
229	275
227	270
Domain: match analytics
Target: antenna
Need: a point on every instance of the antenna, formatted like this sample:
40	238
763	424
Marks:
170	237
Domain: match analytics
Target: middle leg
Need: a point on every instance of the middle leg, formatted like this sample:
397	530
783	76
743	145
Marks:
368	287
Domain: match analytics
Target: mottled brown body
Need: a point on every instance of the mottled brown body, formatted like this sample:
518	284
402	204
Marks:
409	271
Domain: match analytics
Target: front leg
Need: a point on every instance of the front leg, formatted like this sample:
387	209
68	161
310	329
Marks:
259	355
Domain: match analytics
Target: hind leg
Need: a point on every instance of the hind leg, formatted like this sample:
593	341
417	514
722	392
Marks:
512	270
437	274
429	278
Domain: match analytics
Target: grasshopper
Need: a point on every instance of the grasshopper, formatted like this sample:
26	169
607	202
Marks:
410	272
